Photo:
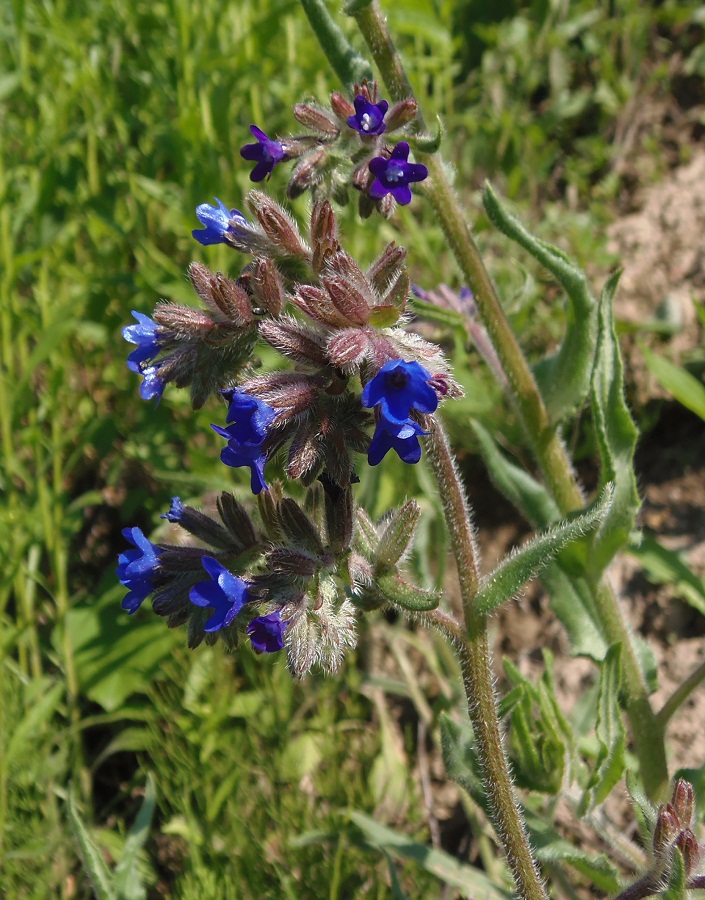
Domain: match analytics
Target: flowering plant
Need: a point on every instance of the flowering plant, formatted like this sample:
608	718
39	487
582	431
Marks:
355	381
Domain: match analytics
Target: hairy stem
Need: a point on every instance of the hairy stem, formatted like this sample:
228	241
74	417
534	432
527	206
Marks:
476	663
545	439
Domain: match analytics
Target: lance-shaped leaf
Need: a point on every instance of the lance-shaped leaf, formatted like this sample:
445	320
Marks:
93	862
512	574
406	596
522	490
610	762
128	883
399	526
572	601
564	379
616	437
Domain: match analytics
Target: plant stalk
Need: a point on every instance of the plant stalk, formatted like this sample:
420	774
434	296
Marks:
476	664
548	448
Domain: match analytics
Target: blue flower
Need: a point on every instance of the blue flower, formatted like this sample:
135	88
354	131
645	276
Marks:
249	420
404	440
252	416
145	335
137	568
225	593
267	633
176	510
369	117
265	153
219	221
398	388
394	175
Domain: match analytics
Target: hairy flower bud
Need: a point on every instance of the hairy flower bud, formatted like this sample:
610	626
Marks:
324	234
316	119
342	107
668	826
226	299
277	224
266	286
683	801
309	171
402	113
295	340
688	845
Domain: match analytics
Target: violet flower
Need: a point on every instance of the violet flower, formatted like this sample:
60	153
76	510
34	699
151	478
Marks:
369	117
266	153
219	221
267	633
393	176
397	388
225	593
249	419
404	440
137	569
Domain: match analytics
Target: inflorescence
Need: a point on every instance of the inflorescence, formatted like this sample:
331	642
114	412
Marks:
295	578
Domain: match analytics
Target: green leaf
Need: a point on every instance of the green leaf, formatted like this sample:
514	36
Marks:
471	882
676	889
429	141
127	882
564	379
665	566
399	526
439	314
460	759
616	437
571	600
679	383
511	575
529	496
404	595
93	862
611	761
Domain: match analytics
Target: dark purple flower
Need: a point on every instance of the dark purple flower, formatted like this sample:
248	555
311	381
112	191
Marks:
404	440
398	388
176	511
219	220
145	335
393	176
137	568
369	117
252	416
265	153
225	593
267	633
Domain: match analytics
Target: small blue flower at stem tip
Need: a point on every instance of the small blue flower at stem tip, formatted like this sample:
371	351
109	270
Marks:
369	117
265	153
398	388
137	568
267	633
144	334
176	511
225	593
404	440
393	176
218	221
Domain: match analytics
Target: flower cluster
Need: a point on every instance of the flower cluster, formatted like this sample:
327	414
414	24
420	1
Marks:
345	148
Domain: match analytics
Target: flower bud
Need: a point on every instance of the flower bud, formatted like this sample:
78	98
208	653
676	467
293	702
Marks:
688	845
316	119
309	171
324	234
401	114
277	224
683	801
266	286
667	828
387	268
295	340
342	107
399	526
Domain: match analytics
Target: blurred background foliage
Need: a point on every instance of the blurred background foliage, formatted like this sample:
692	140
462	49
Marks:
116	120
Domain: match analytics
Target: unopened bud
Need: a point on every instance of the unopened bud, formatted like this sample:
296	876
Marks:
295	340
237	521
298	528
387	205
683	801
283	561
387	267
667	828
362	178
399	527
183	322
688	845
277	224
401	114
308	172
347	349
398	292
342	107
266	286
316	119
324	234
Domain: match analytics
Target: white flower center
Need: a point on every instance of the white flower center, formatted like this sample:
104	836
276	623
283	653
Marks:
366	122
394	172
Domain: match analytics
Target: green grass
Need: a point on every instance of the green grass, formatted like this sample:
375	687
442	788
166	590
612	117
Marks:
116	120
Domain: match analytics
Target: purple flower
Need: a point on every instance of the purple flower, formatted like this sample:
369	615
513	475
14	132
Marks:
267	633
265	153
393	176
252	416
176	511
137	568
225	593
404	440
369	117
144	334
219	220
398	388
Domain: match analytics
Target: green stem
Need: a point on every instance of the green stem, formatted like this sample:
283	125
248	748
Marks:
680	695
548	448
476	664
345	62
